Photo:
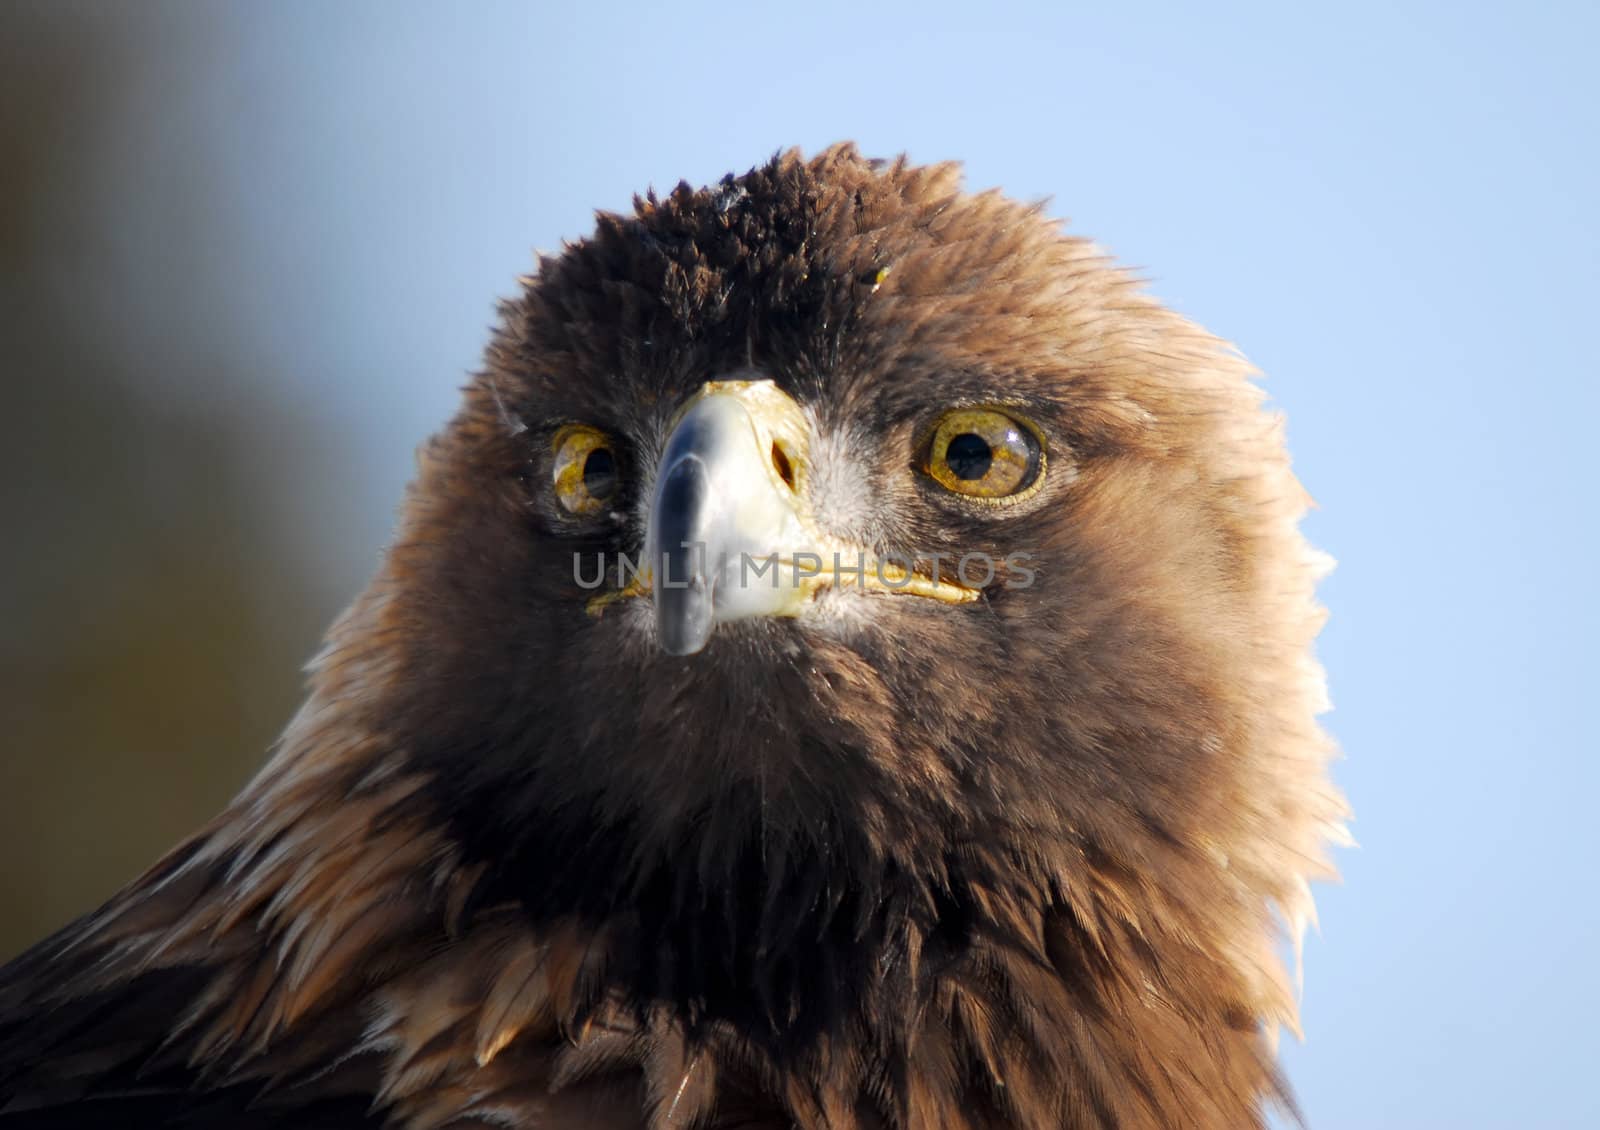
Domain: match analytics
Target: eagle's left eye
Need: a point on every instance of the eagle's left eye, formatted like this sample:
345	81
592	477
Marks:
585	472
984	453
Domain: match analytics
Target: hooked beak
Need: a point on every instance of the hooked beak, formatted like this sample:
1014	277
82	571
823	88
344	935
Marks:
722	502
730	535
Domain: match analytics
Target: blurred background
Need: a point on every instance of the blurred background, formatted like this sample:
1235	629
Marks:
248	254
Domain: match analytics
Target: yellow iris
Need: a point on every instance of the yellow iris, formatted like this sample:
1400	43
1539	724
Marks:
984	454
585	470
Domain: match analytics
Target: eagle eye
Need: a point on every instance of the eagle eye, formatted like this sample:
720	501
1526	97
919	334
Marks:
585	472
984	453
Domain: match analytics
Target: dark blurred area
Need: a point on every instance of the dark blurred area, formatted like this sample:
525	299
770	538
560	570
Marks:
156	597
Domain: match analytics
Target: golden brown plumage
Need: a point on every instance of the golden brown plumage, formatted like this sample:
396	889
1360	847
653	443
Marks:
1014	858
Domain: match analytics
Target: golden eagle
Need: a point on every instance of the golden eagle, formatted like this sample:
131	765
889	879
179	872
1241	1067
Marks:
847	664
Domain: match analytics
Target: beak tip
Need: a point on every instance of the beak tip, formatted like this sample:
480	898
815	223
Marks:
684	617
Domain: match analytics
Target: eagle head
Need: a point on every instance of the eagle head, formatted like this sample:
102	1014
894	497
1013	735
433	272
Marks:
859	645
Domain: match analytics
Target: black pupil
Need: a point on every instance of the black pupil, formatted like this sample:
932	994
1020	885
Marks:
969	456
600	473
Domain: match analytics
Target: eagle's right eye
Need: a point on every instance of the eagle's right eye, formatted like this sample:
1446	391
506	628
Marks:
585	472
985	454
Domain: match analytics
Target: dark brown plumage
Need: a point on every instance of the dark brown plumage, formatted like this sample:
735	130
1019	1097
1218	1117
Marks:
1005	858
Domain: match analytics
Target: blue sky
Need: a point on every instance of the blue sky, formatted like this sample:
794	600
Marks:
1391	208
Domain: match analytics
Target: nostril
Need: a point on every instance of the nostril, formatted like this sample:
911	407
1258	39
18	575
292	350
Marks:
781	464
